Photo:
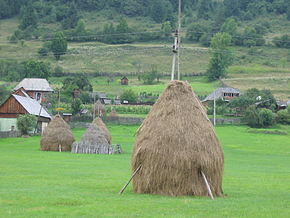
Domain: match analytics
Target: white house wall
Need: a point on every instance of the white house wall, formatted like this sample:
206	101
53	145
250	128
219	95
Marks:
7	123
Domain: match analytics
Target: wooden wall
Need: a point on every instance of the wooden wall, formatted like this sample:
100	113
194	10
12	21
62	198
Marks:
11	106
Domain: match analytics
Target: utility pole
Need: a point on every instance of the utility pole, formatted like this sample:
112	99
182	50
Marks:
214	109
176	46
179	39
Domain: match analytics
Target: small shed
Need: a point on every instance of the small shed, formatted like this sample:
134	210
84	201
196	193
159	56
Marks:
124	81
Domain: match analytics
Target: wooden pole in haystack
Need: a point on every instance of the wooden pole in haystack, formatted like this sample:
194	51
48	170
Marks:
207	185
125	186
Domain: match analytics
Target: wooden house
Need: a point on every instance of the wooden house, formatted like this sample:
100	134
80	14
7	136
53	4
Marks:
36	88
224	93
21	103
124	81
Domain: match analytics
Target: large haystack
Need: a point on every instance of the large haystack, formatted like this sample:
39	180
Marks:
93	141
98	121
174	144
57	136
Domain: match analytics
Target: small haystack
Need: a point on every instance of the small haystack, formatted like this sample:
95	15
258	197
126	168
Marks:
57	136
93	142
113	114
99	108
175	144
98	121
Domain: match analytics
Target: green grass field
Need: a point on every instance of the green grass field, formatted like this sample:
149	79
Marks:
51	184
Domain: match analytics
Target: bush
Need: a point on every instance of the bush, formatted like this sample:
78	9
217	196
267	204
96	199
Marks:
259	117
283	116
129	95
26	123
267	117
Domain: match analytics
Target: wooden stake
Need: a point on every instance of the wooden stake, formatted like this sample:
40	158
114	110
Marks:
207	186
59	147
125	186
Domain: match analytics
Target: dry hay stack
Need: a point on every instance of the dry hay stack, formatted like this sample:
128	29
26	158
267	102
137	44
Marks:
98	121
57	134
113	114
174	144
99	108
93	141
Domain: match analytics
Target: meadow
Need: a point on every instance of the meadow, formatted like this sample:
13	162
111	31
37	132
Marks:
51	184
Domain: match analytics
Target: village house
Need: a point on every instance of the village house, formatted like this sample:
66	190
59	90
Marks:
21	103
124	81
36	88
225	93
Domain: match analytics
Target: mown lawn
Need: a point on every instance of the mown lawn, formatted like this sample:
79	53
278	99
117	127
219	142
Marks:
51	184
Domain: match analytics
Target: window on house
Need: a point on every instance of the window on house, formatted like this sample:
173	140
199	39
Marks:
38	96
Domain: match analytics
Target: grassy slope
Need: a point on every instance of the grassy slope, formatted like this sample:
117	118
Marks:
263	63
49	184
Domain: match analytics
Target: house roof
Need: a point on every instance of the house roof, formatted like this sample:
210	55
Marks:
32	106
34	84
216	94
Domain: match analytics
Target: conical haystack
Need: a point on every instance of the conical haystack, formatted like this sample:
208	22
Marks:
93	141
99	108
98	121
175	143
57	136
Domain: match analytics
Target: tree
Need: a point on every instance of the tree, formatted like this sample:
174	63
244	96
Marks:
197	29
166	30
150	76
230	27
59	45
26	123
37	69
80	28
221	57
129	95
76	105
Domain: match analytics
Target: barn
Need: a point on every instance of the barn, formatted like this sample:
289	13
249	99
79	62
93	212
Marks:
21	103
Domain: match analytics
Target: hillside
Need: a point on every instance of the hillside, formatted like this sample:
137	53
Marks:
145	42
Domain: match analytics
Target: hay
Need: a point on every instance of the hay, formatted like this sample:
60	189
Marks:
99	109
93	141
113	114
57	134
98	121
174	144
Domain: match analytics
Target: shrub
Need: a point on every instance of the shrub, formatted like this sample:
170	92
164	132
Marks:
267	117
26	123
283	116
129	95
259	117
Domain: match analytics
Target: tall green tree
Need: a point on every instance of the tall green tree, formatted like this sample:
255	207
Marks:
37	69
230	26
221	57
59	45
